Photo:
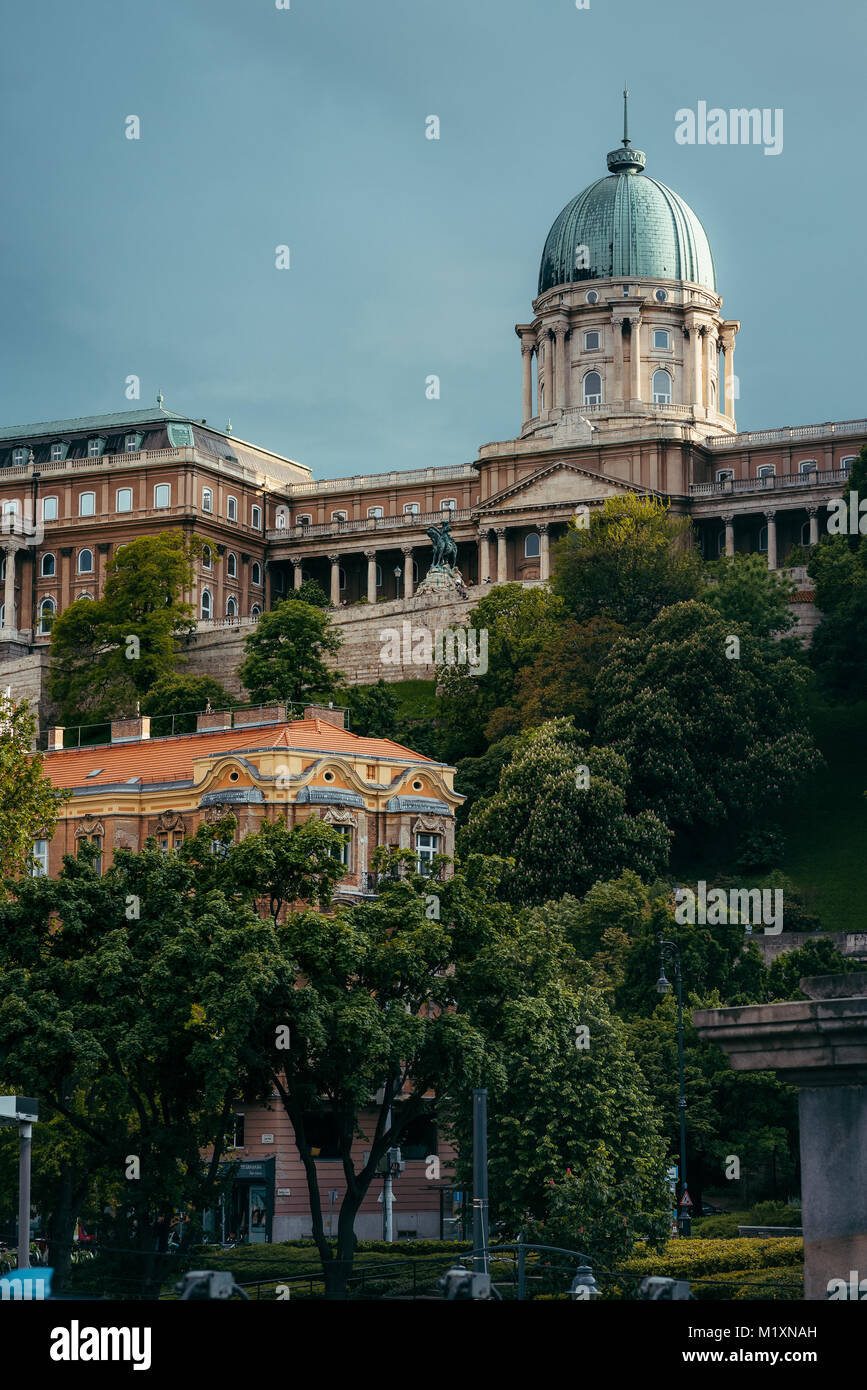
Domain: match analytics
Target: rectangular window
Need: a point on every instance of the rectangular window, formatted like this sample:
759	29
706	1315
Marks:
132	443
163	842
19	456
661	338
374	513
57	452
591	341
207	500
232	508
10	508
410	508
426	847
123	500
49	509
94	448
40	858
256	518
163	495
338	516
448	504
87	504
177	839
343	854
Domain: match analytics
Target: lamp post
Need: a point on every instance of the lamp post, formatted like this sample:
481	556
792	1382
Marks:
670	949
397	574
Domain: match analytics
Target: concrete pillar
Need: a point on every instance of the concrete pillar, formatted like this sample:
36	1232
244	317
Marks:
484	558
370	556
771	519
560	330
635	349
728	344
695	356
335	579
820	1046
501	554
617	393
9	620
544	552
710	350
729	520
407	571
527	361
297	575
813	514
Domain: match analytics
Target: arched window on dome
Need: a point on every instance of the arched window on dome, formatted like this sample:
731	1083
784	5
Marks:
531	546
661	388
593	389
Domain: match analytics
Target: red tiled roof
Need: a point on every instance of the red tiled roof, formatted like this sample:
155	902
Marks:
171	759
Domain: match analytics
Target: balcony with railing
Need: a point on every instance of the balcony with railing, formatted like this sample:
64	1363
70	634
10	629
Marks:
783	482
795	433
448	473
371	525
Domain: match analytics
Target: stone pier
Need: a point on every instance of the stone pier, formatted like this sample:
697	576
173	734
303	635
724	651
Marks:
820	1046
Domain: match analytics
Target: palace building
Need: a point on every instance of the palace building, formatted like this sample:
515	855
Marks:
627	385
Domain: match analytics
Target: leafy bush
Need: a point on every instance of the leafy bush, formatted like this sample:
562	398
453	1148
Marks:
694	1259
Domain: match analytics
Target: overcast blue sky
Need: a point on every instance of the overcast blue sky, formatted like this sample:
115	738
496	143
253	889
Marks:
306	127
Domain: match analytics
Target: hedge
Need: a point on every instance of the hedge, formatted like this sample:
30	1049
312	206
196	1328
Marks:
692	1259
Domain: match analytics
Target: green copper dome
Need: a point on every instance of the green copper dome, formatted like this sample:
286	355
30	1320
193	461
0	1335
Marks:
626	226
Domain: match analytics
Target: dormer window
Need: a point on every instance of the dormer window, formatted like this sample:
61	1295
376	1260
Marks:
95	448
59	452
132	443
19	457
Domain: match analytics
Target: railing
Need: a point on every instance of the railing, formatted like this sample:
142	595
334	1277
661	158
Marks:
774	483
830	430
366	480
186	454
366	525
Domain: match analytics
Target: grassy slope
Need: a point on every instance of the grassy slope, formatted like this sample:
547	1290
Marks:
826	825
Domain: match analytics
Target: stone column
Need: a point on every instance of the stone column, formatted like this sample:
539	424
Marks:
618	392
370	556
484	558
820	1046
728	518
9	619
560	330
408	587
544	552
635	350
710	348
771	519
501	554
813	514
695	355
728	346
527	350
297	576
335	579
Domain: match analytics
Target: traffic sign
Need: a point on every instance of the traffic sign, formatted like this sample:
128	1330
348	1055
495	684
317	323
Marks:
686	1200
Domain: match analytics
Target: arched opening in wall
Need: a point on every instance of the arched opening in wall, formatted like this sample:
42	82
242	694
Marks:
231	607
592	389
281	518
207	604
661	388
47	609
763	540
379	576
85	562
255	611
49	567
805	533
532	546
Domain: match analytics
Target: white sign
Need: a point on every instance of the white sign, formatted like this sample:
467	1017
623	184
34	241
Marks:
267	1139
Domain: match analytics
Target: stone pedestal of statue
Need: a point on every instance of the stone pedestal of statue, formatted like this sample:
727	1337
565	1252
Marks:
442	583
820	1046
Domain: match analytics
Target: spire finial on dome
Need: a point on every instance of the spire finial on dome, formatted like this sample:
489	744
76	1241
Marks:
627	160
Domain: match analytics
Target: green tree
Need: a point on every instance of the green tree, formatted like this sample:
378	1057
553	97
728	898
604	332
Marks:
560	812
373	709
29	805
746	593
562	679
286	655
477	709
634	559
309	592
174	701
107	653
127	1005
710	732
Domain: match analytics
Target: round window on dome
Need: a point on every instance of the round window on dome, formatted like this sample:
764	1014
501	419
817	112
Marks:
591	297
662	296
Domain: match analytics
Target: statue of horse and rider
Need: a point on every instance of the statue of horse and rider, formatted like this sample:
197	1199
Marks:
445	551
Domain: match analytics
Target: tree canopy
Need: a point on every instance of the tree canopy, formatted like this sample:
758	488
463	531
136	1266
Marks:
286	655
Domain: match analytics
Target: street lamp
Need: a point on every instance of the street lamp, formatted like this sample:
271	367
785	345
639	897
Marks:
397	574
22	1111
663	985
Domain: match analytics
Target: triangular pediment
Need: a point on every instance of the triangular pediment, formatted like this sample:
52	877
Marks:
559	482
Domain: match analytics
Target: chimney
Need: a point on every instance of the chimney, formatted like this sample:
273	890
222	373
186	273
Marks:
261	714
55	739
131	730
327	713
213	720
